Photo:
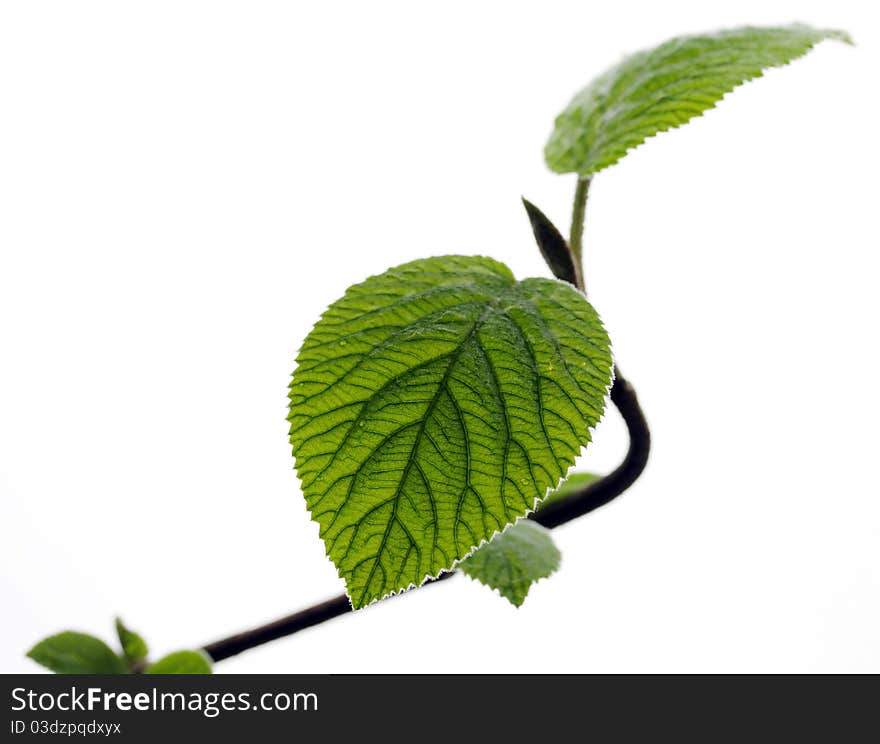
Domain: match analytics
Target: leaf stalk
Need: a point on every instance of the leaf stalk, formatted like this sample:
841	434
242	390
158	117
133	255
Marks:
576	237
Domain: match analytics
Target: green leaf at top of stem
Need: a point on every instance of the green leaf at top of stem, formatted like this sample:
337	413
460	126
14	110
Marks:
661	88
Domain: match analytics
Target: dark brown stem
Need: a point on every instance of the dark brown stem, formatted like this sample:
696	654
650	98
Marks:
582	502
600	492
285	626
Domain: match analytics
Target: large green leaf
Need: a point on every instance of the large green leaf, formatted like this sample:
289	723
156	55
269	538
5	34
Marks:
514	560
77	653
433	405
661	88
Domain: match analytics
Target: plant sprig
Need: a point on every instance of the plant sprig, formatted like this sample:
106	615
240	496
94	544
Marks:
436	405
71	652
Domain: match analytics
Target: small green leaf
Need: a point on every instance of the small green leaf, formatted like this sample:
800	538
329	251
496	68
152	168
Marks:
77	653
552	245
662	88
432	406
571	485
134	648
514	560
182	662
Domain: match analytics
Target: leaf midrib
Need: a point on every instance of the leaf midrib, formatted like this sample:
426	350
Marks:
442	387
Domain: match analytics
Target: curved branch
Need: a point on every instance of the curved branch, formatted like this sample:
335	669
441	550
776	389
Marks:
285	626
606	489
582	502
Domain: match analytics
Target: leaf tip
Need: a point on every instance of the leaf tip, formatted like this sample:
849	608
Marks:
840	35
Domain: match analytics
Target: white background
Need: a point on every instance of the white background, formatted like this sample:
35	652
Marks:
184	186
